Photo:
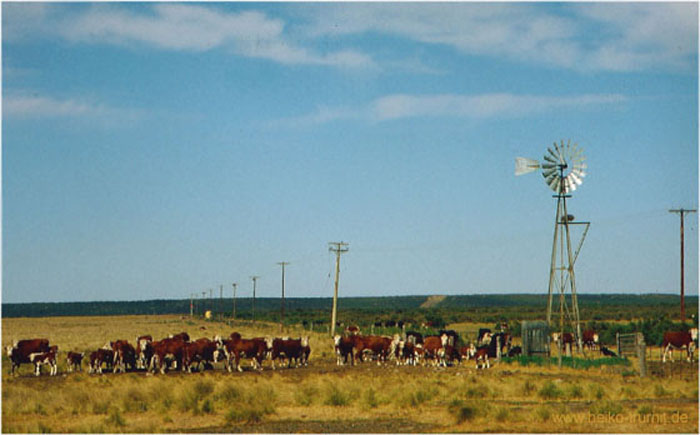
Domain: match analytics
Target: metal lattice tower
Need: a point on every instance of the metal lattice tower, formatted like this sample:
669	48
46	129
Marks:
563	170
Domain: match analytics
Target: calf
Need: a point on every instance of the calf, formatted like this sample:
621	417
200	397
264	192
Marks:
452	336
48	358
99	357
679	340
20	351
481	356
74	361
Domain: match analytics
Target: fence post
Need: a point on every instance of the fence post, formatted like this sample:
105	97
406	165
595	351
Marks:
498	348
617	340
642	354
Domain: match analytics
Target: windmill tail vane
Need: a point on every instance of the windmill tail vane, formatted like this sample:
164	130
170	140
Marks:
523	165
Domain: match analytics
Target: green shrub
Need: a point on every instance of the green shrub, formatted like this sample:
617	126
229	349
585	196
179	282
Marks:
606	407
229	393
550	391
371	398
304	396
528	388
660	391
115	418
574	391
336	397
462	411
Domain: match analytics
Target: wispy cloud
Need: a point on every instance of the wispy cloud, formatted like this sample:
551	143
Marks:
31	106
194	28
485	106
590	37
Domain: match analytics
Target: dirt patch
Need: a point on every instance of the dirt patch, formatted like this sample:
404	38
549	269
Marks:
432	301
332	426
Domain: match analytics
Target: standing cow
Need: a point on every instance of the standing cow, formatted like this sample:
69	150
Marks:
20	351
679	340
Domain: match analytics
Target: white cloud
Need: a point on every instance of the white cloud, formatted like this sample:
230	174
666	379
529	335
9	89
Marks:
402	106
23	106
198	28
587	37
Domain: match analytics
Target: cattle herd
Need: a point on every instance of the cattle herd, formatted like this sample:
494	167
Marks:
178	352
171	353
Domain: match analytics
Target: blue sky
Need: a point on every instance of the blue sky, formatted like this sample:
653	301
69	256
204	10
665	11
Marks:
154	150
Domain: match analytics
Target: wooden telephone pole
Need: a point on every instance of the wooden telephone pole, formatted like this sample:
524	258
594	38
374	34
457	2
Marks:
283	264
682	213
338	248
234	300
255	280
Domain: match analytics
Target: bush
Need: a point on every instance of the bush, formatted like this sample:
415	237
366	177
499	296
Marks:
335	397
304	396
550	391
528	388
606	407
575	391
371	398
462	411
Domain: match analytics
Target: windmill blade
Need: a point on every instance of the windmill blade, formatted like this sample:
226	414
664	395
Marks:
523	165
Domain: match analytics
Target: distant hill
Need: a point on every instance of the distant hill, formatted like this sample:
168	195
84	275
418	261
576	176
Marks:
367	306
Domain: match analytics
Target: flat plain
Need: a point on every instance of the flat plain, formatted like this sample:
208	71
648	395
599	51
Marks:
325	397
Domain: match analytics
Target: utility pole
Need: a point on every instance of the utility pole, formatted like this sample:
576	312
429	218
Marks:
234	299
338	248
191	304
255	280
682	213
283	264
221	301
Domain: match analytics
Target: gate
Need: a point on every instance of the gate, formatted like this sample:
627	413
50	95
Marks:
535	337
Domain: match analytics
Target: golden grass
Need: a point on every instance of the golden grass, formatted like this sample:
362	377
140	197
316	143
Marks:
506	398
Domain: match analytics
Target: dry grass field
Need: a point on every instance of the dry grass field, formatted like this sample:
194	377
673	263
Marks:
325	398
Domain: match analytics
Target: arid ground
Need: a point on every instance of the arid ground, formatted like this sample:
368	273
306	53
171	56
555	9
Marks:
324	397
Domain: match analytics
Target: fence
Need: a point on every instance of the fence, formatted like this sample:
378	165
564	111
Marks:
633	345
535	336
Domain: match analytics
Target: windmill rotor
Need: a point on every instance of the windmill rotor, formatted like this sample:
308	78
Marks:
563	167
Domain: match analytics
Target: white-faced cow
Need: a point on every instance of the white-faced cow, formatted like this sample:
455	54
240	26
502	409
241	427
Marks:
99	357
48	358
590	339
480	355
291	349
19	352
680	340
344	347
567	339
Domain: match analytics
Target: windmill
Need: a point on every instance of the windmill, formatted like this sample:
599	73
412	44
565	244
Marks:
563	170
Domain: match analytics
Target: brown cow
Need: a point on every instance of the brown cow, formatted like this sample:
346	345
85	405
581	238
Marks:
74	360
201	350
352	330
236	347
98	357
481	355
287	348
679	340
19	352
567	339
434	348
343	348
181	336
590	339
124	354
167	348
379	346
